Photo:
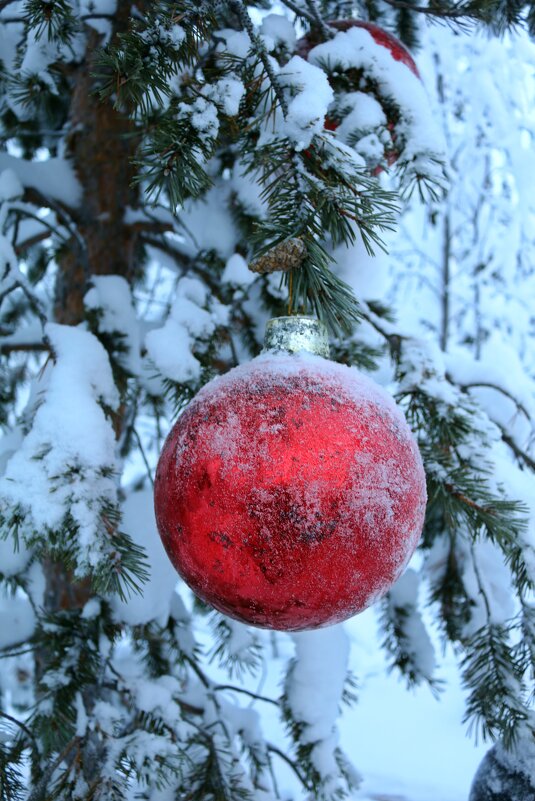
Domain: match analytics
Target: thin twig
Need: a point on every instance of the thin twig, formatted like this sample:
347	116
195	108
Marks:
10	654
298	10
326	31
256	696
21	726
17	347
447	13
517	450
143	454
490	385
291	763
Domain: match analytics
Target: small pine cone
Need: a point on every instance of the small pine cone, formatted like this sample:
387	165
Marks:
285	256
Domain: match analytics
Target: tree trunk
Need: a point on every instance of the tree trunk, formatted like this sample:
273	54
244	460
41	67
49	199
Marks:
101	145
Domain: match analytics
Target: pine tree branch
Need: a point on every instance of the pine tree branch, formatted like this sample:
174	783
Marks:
454	12
260	50
23	728
326	31
474	384
274	750
301	12
466	501
251	694
22	347
39	792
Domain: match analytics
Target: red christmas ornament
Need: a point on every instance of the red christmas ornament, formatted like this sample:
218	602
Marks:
290	494
397	49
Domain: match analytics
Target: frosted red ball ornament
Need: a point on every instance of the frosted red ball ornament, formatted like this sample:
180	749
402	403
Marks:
290	494
358	78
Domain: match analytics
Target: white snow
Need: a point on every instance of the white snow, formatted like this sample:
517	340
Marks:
89	10
208	224
416	640
277	30
154	602
111	296
308	95
39	54
522	758
417	133
203	116
170	347
237	43
228	92
53	178
69	431
81	716
237	272
248	192
92	609
487	582
10	186
317	680
13	557
18	619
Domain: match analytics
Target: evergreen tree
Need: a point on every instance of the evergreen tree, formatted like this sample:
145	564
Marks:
161	163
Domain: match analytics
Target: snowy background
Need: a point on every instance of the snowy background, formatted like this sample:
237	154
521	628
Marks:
408	744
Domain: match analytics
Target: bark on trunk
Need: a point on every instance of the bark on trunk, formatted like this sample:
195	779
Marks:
101	145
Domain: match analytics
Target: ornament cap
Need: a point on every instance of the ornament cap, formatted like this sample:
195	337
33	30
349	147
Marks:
296	333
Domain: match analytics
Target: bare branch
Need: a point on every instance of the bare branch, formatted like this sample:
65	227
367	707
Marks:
21	726
326	31
22	347
301	12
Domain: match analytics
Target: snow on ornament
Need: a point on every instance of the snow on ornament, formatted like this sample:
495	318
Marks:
290	494
381	108
397	49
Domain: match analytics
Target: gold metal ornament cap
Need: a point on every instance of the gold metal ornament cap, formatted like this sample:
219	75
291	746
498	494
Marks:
296	333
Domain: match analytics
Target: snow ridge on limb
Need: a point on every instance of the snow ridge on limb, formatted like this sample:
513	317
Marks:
53	179
59	491
407	640
317	684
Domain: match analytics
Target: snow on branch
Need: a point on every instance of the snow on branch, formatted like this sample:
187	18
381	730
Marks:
314	691
407	639
59	492
53	178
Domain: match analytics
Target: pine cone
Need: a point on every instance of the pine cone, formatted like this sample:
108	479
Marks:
285	256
